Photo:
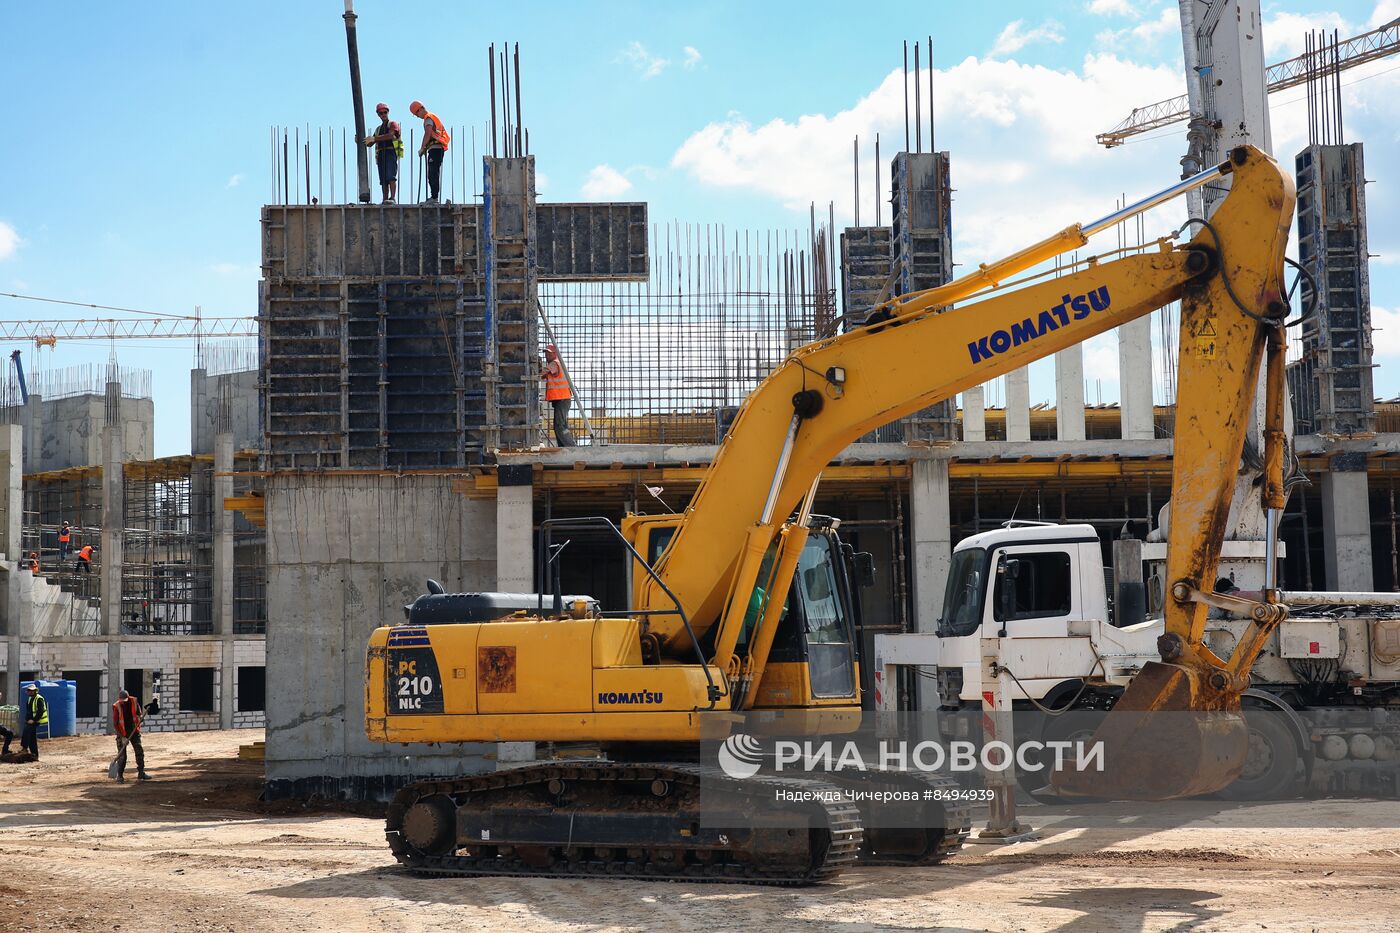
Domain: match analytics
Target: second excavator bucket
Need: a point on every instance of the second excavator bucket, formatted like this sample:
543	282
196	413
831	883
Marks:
1170	735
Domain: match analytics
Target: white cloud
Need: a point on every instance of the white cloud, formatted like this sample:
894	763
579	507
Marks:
1386	10
1022	136
692	57
1015	37
235	180
1144	34
1386	331
233	269
1112	7
1284	32
646	64
605	182
9	240
541	182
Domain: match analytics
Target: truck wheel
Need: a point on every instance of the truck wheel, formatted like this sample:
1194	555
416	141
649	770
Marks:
1271	765
1072	726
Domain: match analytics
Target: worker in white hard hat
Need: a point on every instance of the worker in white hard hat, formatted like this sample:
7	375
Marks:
36	713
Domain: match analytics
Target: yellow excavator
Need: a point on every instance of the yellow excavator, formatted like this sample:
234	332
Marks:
746	601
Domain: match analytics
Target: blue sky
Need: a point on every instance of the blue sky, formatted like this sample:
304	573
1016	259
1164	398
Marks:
137	157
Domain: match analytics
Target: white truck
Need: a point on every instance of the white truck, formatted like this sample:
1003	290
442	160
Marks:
1330	676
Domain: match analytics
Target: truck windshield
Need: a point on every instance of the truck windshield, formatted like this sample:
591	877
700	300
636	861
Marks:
962	602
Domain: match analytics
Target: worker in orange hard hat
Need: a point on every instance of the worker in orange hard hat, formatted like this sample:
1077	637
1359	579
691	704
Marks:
388	149
435	143
558	393
34	562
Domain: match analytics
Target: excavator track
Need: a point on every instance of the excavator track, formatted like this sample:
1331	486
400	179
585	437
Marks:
604	819
939	831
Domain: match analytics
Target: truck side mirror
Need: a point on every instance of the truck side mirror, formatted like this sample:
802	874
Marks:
1008	570
863	564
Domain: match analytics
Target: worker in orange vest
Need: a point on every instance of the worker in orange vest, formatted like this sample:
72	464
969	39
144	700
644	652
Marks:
435	142
34	562
65	535
558	394
84	560
126	721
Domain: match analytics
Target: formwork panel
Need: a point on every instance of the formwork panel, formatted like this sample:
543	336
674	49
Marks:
1332	380
592	242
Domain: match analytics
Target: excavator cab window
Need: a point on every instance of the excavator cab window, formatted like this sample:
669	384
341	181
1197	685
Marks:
830	657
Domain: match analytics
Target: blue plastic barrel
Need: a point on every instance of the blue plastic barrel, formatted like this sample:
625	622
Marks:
62	697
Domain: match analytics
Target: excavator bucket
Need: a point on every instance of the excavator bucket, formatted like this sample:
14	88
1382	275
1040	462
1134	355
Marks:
1170	735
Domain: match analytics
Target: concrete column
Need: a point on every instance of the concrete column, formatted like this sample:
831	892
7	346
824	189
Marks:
974	419
1346	524
932	545
1069	394
222	582
1018	405
515	530
113	521
13	598
199	415
515	565
1135	379
34	435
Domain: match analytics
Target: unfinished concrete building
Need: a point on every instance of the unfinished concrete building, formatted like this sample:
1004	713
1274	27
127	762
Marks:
172	608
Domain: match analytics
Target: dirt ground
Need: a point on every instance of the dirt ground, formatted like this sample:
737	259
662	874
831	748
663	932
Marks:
194	850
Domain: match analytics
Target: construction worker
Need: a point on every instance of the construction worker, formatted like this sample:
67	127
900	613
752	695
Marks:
435	142
126	720
34	562
84	560
8	737
36	714
558	394
65	537
388	149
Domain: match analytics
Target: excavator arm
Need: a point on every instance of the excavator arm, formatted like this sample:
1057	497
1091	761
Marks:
929	346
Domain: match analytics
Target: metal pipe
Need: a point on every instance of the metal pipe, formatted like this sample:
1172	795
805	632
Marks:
918	117
518	140
1152	200
906	95
491	68
1271	517
1338	598
780	471
877	179
1197	128
931	146
361	156
805	512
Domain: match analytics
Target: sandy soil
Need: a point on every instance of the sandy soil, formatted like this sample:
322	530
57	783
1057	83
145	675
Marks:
193	850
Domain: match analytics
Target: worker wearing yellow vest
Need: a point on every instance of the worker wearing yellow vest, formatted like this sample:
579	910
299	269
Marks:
36	714
388	149
435	142
558	394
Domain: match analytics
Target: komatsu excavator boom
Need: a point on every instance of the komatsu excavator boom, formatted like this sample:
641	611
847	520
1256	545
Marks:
745	601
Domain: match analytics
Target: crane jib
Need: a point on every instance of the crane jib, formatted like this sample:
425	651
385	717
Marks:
1070	308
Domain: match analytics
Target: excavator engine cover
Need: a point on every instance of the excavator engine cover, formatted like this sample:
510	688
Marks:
1170	735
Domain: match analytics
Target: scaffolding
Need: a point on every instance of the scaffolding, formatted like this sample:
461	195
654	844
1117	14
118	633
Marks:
168	538
669	360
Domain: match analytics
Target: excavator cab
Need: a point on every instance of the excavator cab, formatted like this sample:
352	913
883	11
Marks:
815	655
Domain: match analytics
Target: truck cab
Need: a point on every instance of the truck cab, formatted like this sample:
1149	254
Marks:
1041	589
